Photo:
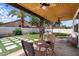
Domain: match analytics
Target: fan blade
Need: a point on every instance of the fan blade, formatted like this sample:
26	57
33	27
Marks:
52	5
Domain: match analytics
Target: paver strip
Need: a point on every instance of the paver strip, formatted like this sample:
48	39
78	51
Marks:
8	44
0	50
11	47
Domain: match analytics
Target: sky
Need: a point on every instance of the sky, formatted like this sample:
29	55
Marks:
5	9
67	23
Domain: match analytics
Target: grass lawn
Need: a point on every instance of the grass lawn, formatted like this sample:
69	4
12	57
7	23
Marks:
11	44
30	36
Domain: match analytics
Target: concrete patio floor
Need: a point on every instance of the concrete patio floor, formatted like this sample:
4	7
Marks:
62	48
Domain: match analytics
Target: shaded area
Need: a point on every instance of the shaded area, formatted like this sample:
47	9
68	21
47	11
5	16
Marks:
62	48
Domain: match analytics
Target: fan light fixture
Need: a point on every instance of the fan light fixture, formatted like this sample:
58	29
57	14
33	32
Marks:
44	6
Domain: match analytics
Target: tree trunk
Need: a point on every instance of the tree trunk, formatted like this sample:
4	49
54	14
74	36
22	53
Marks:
41	30
22	22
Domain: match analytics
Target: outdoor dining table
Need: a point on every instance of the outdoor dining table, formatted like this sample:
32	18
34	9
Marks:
38	45
46	45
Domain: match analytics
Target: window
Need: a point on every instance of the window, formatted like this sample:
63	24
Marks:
76	28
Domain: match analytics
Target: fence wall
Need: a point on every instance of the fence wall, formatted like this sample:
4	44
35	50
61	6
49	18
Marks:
9	30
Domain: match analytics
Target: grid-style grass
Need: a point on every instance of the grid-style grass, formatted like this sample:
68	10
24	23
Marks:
6	50
30	36
12	44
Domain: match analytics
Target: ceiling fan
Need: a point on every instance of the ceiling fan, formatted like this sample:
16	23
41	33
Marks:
46	5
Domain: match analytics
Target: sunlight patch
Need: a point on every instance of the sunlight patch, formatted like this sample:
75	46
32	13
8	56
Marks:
35	39
22	38
15	40
11	38
18	37
20	44
26	39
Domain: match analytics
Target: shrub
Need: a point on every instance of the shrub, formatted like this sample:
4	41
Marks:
17	31
33	33
61	34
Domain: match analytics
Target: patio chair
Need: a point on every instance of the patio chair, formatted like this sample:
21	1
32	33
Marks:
28	48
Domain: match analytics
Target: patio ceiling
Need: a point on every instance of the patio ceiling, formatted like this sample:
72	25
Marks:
64	10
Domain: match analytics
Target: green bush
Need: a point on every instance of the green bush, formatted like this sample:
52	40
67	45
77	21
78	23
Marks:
17	31
61	34
33	33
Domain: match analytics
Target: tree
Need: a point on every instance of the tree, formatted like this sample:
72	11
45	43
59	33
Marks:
58	23
39	23
46	22
52	25
20	14
35	21
1	23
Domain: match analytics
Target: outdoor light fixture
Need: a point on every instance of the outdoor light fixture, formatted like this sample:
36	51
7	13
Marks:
44	6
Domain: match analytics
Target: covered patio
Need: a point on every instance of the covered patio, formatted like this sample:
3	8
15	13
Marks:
62	48
53	12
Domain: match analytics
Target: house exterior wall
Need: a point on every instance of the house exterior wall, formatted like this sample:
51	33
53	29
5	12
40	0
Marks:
78	36
76	33
12	24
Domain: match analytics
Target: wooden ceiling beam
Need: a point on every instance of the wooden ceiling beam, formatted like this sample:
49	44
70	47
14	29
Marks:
75	15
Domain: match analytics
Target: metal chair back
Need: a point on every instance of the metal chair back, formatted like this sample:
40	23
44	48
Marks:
28	48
